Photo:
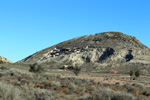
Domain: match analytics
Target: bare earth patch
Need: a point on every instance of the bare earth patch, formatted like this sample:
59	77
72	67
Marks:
113	80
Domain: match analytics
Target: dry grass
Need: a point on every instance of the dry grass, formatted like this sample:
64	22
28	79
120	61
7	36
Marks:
23	85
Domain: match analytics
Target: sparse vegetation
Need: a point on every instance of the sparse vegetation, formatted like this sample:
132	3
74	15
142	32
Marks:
28	86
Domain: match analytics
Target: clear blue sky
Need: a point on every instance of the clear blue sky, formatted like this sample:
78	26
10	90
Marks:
28	26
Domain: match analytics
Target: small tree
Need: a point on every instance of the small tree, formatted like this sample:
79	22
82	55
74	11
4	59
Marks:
35	68
134	75
137	74
131	74
76	70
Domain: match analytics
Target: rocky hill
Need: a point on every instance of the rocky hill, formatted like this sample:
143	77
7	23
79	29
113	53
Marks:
3	59
98	49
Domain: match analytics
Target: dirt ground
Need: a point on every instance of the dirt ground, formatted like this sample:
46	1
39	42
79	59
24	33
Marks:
113	80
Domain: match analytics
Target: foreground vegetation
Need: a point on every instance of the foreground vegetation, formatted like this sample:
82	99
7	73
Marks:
24	85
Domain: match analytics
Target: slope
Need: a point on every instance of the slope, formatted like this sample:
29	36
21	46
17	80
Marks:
96	49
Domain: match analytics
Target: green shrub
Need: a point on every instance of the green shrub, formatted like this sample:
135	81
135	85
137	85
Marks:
131	74
36	68
1	62
76	70
134	75
137	74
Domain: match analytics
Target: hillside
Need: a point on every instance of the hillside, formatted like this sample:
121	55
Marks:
3	60
98	49
106	59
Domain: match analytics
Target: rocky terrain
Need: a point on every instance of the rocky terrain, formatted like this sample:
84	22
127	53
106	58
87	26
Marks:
99	50
3	59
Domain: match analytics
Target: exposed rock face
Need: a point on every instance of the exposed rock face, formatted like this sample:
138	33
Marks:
3	59
101	48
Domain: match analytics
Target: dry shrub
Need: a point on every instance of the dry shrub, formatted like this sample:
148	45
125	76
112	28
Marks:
119	95
8	92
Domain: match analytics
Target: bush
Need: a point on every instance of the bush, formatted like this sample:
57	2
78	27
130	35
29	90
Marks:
102	94
35	68
120	95
1	62
76	70
8	92
139	85
131	74
3	68
134	75
137	74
